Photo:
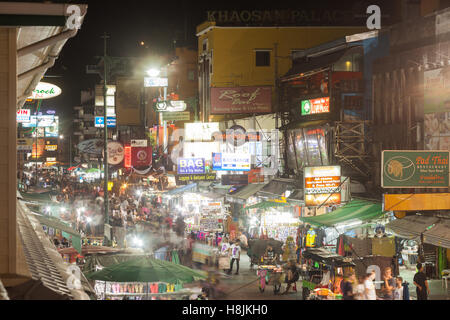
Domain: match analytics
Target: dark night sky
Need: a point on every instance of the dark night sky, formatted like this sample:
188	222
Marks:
158	23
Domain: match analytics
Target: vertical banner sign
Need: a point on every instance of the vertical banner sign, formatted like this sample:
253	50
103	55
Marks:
415	169
127	163
141	156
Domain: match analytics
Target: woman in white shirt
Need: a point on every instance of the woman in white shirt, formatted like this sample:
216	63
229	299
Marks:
370	292
359	289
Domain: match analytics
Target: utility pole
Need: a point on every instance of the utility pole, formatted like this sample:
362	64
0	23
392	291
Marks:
105	141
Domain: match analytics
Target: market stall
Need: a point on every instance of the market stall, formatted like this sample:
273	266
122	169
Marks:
144	278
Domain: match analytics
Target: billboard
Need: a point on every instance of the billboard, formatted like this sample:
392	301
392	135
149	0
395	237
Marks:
42	121
415	169
241	100
315	106
232	161
322	185
436	90
191	165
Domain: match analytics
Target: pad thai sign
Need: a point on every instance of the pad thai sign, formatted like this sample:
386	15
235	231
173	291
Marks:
241	100
415	169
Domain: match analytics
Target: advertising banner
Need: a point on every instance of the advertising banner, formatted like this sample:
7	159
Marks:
437	90
23	115
141	156
241	100
322	185
127	157
152	82
116	153
25	145
315	106
45	91
415	169
232	162
186	179
191	165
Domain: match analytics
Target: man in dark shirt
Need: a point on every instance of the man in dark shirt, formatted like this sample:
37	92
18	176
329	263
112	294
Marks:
421	283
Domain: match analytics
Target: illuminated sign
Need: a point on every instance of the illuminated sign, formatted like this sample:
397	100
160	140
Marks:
42	121
171	106
110	96
138	143
100	122
51	148
176	116
315	106
45	91
151	82
185	179
23	115
322	183
191	166
232	161
51	160
127	163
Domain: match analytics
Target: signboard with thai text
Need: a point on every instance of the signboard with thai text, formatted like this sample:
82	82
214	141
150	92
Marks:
241	100
315	106
322	185
415	169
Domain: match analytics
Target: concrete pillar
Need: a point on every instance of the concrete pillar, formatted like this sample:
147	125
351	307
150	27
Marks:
13	267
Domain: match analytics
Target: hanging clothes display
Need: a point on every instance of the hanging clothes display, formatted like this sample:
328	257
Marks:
311	238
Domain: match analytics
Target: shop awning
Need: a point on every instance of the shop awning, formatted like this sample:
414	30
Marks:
57	224
439	235
267	204
411	227
247	191
278	187
357	209
321	62
180	190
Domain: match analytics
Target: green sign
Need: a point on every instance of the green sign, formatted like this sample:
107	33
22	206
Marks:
415	169
306	107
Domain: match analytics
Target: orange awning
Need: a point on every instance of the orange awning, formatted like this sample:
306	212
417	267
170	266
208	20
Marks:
417	202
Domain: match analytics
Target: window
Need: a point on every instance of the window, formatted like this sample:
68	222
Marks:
262	58
205	45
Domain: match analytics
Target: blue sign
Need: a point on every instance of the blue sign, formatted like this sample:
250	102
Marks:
232	161
99	122
191	165
217	161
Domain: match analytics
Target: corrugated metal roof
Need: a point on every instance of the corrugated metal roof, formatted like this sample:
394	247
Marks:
247	191
411	227
439	235
39	262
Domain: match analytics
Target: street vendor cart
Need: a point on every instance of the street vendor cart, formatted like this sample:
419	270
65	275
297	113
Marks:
270	275
315	261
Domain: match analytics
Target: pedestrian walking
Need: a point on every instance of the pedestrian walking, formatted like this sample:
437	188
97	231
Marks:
369	287
235	256
359	289
347	286
421	283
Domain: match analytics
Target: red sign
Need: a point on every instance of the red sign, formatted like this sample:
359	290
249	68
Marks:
127	157
241	100
141	156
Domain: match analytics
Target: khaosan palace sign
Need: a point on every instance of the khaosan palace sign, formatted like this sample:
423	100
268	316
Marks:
315	106
241	100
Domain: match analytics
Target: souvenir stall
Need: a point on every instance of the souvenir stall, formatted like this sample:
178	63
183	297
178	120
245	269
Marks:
156	280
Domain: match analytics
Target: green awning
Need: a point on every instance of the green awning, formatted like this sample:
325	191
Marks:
57	224
268	204
357	209
44	196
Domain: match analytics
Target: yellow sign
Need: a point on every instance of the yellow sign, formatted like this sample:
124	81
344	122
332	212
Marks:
110	185
417	202
51	147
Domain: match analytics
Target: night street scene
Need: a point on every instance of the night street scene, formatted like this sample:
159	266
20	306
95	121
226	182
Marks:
234	152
